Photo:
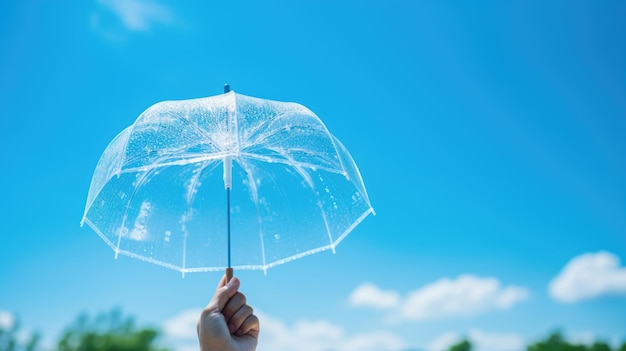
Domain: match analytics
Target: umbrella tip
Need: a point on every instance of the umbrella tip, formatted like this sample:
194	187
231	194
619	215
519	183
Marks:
226	88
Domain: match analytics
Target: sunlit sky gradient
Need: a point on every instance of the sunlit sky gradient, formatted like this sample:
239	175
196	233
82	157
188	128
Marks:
490	136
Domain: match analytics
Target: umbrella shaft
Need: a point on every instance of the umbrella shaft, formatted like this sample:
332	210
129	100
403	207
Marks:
228	221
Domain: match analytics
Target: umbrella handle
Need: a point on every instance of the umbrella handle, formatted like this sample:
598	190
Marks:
229	274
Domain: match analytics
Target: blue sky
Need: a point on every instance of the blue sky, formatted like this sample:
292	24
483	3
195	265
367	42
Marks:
490	136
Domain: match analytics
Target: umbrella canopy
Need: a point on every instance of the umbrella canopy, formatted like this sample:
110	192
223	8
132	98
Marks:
157	193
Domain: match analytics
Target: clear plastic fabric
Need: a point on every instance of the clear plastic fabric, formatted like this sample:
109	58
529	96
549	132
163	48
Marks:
158	192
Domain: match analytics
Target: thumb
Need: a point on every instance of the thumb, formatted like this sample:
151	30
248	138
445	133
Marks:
224	293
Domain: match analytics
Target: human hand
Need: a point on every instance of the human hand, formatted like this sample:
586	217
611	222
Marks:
227	323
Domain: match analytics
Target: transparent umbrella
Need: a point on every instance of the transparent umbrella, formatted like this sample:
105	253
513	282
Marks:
161	191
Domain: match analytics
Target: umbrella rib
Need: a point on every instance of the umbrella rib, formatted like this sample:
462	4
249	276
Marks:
289	162
319	249
205	137
343	167
132	197
190	198
171	152
190	195
294	150
285	128
176	163
276	131
194	126
314	116
263	124
330	237
354	224
252	183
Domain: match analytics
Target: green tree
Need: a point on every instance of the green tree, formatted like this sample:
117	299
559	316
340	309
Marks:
600	346
556	342
464	345
108	332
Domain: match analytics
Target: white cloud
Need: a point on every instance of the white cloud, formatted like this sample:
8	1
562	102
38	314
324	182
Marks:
369	295
276	335
488	341
587	276
180	331
480	340
581	338
444	341
140	229
378	341
138	15
183	325
115	19
321	335
464	296
6	319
